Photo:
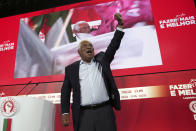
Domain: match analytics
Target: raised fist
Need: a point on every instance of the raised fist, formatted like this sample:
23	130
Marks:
118	17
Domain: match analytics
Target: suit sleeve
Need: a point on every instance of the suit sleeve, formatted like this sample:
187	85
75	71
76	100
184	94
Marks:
65	93
114	45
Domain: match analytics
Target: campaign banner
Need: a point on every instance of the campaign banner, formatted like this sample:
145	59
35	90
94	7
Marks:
161	101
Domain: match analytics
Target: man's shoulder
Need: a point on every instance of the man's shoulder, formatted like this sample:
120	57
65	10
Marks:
74	64
100	54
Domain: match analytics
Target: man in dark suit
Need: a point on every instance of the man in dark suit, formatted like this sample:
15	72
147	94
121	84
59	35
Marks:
93	86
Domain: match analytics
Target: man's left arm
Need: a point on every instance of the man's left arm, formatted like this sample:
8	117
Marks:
116	40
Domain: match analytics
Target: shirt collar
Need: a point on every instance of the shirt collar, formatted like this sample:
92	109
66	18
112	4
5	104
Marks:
83	62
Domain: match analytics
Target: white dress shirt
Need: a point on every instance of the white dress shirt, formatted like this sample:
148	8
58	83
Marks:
93	89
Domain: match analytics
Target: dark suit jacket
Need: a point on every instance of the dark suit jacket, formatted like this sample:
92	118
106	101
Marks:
72	81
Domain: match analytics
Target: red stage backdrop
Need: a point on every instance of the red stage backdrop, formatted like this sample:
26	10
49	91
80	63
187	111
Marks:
163	102
154	68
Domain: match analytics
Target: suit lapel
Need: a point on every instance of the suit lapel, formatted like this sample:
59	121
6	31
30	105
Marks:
75	84
102	65
76	71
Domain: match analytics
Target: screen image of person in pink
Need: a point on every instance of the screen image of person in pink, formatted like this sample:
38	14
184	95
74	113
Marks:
134	13
96	23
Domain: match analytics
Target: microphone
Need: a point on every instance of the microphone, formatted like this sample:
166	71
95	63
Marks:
36	84
24	87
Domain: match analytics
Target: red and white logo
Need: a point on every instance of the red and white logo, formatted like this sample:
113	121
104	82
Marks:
8	107
192	106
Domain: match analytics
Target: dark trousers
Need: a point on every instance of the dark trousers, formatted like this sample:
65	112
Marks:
100	119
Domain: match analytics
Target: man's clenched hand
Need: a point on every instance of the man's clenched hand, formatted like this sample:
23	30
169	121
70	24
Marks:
65	119
118	17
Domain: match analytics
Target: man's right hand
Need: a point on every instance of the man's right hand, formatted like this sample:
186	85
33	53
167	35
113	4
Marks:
65	119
